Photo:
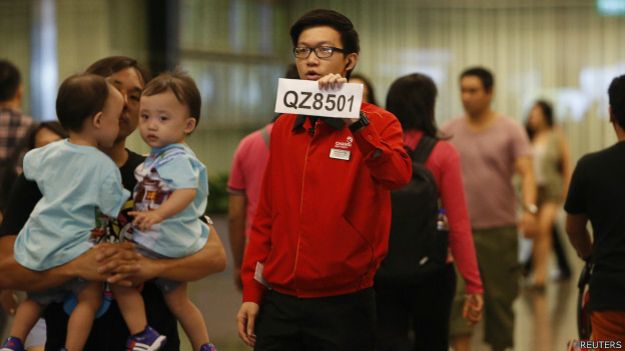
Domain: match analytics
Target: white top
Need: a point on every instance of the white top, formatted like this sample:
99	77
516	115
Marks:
539	150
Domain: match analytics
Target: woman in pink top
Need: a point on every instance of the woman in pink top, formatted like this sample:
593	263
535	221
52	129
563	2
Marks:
425	308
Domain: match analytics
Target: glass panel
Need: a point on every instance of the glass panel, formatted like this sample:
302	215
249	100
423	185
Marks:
235	50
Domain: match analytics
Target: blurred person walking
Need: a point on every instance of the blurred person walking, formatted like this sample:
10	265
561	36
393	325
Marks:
552	171
14	125
492	149
423	307
39	135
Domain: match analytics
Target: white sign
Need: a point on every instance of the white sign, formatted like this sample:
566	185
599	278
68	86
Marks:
303	97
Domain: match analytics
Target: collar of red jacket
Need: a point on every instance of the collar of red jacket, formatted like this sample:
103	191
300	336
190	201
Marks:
336	123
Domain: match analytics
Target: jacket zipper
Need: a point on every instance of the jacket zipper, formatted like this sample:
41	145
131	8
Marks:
311	131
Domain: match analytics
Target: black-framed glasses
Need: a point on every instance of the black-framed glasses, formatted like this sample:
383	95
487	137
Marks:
303	52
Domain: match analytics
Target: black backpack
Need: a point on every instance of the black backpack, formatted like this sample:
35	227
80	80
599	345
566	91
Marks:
417	248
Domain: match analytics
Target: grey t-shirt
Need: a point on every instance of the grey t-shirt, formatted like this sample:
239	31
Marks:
488	164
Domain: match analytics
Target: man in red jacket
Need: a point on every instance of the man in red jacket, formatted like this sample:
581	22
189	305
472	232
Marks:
322	224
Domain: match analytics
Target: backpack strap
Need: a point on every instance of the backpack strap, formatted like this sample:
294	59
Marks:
265	134
423	150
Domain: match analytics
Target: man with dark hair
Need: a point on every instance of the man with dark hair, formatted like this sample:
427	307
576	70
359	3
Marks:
339	23
492	149
595	193
14	125
484	75
322	224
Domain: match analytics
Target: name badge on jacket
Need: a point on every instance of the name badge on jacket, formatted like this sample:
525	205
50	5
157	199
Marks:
340	154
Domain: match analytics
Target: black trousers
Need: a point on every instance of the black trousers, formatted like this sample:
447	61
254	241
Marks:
416	317
336	323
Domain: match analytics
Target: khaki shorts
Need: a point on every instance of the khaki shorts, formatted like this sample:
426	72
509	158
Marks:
497	255
545	194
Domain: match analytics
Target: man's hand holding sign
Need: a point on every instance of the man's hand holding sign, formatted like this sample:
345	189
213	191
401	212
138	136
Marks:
330	96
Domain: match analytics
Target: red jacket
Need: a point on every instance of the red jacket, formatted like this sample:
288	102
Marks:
322	224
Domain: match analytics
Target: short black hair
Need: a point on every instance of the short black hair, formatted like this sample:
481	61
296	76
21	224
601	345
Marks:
80	97
10	80
182	86
412	99
112	64
485	76
333	19
372	99
616	94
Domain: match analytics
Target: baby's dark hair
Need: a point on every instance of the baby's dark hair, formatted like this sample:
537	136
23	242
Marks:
182	86
80	96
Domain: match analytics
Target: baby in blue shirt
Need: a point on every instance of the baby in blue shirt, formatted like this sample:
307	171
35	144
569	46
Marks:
170	197
78	183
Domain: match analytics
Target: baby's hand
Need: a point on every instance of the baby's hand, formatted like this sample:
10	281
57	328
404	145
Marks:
145	220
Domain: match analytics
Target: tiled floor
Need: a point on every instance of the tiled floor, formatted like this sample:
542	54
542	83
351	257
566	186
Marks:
545	322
